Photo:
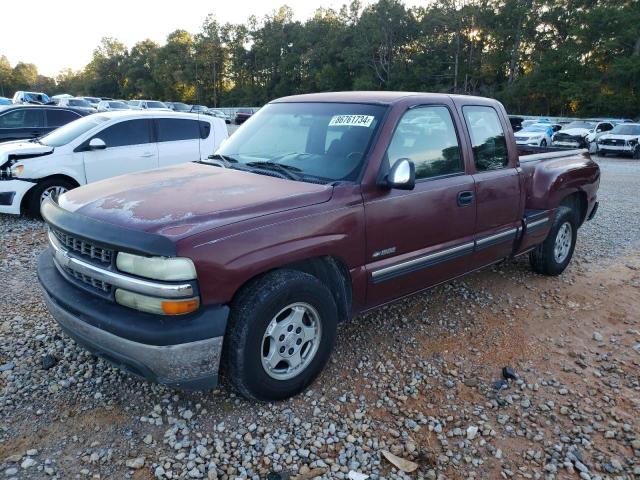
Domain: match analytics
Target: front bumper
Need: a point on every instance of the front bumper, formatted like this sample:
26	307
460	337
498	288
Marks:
182	351
616	148
11	194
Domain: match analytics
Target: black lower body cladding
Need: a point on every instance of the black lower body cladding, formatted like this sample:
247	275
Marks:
182	351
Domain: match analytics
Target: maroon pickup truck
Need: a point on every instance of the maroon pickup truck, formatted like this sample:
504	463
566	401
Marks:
319	207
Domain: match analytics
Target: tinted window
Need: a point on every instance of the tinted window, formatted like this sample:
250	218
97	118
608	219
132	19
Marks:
427	137
130	132
487	138
57	118
24	118
605	127
173	129
156	105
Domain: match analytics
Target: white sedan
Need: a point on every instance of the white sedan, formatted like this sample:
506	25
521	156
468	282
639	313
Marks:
100	146
537	135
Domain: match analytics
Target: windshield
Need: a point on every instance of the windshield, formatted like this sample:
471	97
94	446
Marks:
71	131
622	129
181	106
587	125
321	142
77	102
135	103
156	105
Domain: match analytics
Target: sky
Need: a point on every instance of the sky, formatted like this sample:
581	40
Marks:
59	34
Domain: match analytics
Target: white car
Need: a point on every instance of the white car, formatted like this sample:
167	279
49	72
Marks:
623	139
72	102
109	105
94	101
581	134
100	146
148	105
537	135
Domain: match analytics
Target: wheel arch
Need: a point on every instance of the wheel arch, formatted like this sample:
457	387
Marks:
330	270
578	202
60	176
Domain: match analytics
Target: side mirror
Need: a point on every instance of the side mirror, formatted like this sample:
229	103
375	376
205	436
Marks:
97	144
598	130
402	175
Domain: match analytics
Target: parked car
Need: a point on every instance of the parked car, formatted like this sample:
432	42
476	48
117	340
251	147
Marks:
147	105
108	105
74	102
61	95
624	139
94	101
537	134
5	101
38	98
200	109
220	114
19	122
178	106
100	146
581	134
242	115
322	206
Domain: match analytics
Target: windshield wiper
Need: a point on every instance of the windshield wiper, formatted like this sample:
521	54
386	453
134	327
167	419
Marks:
35	140
219	160
286	170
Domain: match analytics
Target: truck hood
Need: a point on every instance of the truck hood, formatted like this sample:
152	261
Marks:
19	149
186	199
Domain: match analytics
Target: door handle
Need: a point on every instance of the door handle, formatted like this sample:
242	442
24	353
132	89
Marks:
465	198
147	155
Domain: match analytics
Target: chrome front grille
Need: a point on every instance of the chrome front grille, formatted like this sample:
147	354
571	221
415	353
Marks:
90	281
84	248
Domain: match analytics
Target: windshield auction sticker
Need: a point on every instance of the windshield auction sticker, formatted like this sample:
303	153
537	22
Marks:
351	121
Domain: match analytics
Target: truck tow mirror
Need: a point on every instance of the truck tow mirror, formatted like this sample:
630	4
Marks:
402	175
97	144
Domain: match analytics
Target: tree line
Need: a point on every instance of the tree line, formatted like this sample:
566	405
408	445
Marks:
553	57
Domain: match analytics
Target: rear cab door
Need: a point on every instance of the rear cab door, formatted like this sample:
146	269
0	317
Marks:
497	179
421	237
130	148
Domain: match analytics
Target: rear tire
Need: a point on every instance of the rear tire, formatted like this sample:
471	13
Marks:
280	335
50	188
554	254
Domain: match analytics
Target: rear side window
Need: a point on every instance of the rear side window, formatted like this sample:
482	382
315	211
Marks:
487	138
427	137
23	118
129	132
57	118
176	129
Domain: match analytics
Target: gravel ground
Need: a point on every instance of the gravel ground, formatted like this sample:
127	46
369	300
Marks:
420	378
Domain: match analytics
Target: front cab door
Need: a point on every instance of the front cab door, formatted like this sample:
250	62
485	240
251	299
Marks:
418	238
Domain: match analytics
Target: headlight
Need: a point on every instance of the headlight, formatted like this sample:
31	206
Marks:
161	306
632	142
158	268
16	170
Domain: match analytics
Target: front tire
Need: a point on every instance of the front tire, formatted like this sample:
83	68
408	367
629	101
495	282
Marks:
543	143
636	153
280	335
554	254
50	188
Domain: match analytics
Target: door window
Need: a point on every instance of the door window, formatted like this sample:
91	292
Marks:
487	138
129	132
23	118
427	137
57	118
175	129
